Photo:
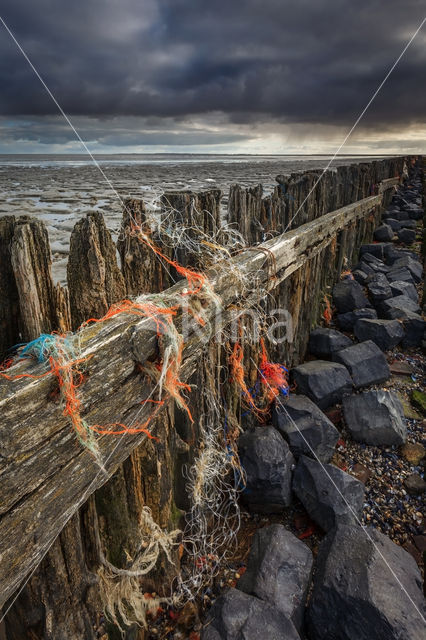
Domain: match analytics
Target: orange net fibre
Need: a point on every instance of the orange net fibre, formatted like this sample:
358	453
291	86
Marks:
327	314
195	279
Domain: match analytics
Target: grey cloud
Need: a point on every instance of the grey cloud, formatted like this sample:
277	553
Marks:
299	61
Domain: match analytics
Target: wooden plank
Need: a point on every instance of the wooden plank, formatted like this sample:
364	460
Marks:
46	475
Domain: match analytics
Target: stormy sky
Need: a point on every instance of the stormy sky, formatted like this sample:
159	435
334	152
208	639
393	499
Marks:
234	76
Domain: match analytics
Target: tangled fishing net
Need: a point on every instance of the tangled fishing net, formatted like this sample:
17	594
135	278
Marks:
215	478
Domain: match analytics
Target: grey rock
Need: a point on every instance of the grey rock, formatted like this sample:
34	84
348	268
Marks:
379	289
394	224
323	382
384	233
278	571
414	327
385	333
407	236
408	224
362	276
400	274
347	321
395	307
394	253
376	418
365	362
329	495
410	263
416	213
239	616
306	428
268	462
401	288
356	595
377	249
323	342
370	261
349	295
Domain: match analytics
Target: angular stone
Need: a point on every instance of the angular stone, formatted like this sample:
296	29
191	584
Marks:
377	249
407	236
416	214
323	382
400	288
400	274
379	289
394	224
267	461
356	595
386	334
414	327
347	321
410	263
362	275
305	427
414	484
413	453
237	616
365	362
329	495
384	233
395	307
377	265
323	342
375	417
349	295
279	571
408	224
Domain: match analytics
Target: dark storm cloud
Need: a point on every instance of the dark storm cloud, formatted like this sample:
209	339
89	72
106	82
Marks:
300	61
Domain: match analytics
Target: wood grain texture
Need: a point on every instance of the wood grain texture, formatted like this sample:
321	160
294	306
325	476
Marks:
45	473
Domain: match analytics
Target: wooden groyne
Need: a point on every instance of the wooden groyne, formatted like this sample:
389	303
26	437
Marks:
48	479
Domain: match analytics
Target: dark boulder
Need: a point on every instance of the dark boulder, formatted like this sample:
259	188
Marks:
363	275
394	224
323	382
384	233
305	427
407	236
410	263
349	295
239	616
395	307
347	321
323	342
366	588
400	274
376	418
414	484
365	362
379	289
329	495
279	571
394	253
268	462
400	288
374	263
408	224
377	249
414	327
385	333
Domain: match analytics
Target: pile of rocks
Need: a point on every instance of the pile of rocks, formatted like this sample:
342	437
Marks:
365	586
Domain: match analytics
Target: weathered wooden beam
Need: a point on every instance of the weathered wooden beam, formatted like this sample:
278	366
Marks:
45	474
